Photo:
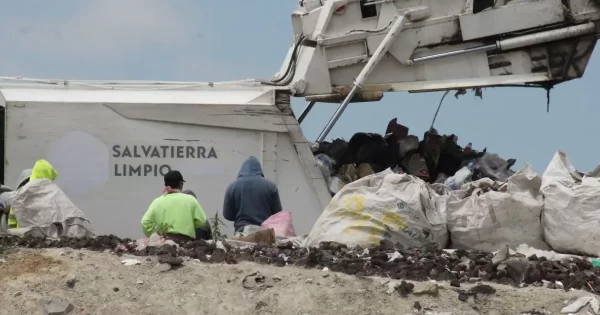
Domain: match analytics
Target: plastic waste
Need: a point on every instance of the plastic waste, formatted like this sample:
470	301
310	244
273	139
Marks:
461	177
281	222
326	165
494	167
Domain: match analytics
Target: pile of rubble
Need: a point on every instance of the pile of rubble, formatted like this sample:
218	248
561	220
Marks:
435	159
387	260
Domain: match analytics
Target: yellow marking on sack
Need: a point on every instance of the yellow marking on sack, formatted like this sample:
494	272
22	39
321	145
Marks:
354	202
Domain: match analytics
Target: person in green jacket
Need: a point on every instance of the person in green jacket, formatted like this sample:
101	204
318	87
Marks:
41	169
179	213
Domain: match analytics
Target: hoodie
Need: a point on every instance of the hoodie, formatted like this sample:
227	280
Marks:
251	198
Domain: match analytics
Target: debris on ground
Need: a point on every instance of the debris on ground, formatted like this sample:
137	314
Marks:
414	264
217	289
428	288
584	301
405	288
71	281
130	262
55	308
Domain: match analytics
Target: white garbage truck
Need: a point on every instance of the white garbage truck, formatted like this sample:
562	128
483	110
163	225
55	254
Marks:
111	142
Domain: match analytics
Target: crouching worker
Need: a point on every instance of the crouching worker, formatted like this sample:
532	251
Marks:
41	169
177	213
250	199
39	208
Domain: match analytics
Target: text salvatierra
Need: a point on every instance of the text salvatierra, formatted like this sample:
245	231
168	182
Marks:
158	153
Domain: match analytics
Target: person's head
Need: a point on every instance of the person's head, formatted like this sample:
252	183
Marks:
174	179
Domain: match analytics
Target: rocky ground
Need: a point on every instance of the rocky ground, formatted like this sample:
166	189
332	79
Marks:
108	275
88	282
387	260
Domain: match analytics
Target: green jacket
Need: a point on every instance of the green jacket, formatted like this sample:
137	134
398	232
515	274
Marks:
181	212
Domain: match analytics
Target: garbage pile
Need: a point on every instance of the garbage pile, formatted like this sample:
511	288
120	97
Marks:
434	159
547	212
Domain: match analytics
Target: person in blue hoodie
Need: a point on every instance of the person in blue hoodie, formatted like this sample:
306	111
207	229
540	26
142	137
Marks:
250	199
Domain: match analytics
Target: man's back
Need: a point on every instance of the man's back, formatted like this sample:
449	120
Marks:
180	211
251	198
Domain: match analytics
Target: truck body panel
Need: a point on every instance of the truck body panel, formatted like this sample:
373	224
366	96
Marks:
112	147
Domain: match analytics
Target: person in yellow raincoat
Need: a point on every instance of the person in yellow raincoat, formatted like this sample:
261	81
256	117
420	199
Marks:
41	169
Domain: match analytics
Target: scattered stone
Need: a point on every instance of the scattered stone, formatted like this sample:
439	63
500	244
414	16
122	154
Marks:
218	256
559	285
463	296
577	305
171	260
55	308
277	278
418	265
130	262
548	284
455	283
260	304
70	281
405	288
533	257
392	287
501	255
474	280
393	256
17	294
309	280
116	289
537	311
483	289
148	258
429	288
139	282
2	261
417	306
162	268
515	268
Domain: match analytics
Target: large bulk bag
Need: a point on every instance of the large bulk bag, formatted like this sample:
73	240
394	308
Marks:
571	208
486	215
397	207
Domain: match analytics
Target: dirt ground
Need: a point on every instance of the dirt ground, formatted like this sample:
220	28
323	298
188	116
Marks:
105	286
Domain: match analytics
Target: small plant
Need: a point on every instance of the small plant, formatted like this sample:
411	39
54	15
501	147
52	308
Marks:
215	226
162	229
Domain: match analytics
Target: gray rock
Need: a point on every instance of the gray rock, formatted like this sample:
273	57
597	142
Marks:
162	268
429	288
501	255
515	267
70	281
474	280
171	260
55	308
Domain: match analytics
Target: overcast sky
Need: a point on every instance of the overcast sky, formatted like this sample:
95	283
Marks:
239	39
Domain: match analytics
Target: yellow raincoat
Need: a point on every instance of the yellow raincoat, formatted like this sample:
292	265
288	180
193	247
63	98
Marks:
41	169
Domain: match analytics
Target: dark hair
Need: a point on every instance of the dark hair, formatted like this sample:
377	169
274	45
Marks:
174	184
174	179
